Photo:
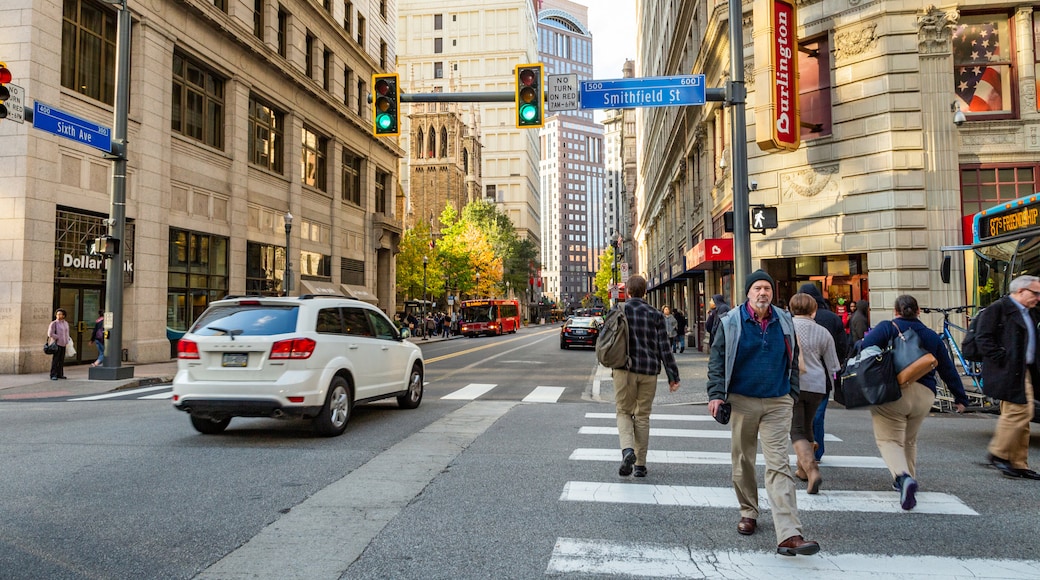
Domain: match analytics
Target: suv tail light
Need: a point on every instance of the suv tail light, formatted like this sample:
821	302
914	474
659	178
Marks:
187	349
293	348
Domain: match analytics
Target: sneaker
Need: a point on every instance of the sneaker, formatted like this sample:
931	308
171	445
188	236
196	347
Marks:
640	471
628	459
907	492
895	485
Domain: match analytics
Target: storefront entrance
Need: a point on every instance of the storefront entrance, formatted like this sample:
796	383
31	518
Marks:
82	303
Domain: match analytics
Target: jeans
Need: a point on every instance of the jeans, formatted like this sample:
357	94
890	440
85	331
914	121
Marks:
100	352
817	426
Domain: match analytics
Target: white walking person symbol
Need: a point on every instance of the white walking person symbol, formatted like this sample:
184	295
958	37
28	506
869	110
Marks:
759	217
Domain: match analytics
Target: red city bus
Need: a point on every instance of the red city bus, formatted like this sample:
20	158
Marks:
491	316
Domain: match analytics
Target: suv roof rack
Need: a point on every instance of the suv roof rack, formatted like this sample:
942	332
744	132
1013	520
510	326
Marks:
313	296
234	296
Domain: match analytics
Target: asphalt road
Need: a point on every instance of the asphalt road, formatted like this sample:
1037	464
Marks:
477	483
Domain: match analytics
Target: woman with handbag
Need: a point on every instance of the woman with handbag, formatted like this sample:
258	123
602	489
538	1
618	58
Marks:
58	333
897	423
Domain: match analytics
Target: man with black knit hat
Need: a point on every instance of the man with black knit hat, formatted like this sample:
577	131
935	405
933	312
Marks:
826	318
753	366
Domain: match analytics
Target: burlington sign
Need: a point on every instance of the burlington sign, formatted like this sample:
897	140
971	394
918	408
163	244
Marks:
776	115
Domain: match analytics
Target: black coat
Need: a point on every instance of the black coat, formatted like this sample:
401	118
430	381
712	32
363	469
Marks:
1001	336
829	320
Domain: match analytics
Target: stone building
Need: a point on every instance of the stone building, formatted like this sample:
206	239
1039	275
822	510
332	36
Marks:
240	112
882	177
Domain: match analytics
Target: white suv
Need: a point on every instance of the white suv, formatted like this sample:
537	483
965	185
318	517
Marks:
310	357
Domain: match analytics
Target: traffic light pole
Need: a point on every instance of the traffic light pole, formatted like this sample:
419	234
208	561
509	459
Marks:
111	368
736	93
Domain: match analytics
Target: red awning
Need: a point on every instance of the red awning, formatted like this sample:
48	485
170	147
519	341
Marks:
713	250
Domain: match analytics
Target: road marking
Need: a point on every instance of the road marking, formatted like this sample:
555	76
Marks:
724	497
712	458
115	394
544	395
655	417
646	560
688	433
160	396
469	392
482	347
351	512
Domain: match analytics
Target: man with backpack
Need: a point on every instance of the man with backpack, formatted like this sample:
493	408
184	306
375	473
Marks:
635	384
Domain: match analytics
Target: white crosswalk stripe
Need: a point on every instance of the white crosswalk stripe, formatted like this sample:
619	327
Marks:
687	433
718	458
126	393
469	392
646	560
544	395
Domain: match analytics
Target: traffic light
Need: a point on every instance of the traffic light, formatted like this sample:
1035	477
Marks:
5	93
529	95
385	120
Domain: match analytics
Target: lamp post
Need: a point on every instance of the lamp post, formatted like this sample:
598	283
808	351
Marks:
476	290
288	264
425	261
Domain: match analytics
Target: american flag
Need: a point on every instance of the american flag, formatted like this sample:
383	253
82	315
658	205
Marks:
978	85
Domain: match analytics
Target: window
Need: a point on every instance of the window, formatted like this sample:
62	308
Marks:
444	142
438	21
197	274
198	102
419	144
383	328
382	54
258	19
308	57
985	187
348	15
438	70
328	321
982	65
222	4
438	45
314	265
382	186
382	8
327	5
283	32
361	30
361	98
315	147
814	87
266	135
356	322
326	69
352	271
265	268
88	50
348	81
351	173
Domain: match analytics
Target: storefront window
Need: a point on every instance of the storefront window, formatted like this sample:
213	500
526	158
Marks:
197	276
265	268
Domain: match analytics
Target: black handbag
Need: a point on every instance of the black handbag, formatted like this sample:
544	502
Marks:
909	358
870	379
50	348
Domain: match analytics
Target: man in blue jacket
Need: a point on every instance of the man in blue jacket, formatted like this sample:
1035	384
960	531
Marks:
753	366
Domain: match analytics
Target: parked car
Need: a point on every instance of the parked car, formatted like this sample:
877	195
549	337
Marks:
309	357
580	331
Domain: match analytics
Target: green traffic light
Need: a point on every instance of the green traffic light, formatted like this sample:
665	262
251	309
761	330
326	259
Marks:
384	122
528	113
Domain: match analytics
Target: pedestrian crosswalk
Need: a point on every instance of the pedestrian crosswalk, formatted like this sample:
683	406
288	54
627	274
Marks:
574	556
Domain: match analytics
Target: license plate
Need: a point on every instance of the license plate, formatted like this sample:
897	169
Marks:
579	332
235	359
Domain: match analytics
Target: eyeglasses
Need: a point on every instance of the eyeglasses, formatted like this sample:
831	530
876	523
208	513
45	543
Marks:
1035	292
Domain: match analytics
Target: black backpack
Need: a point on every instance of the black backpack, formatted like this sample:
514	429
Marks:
969	349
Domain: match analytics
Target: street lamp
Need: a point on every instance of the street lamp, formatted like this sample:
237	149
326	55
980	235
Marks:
476	290
425	261
288	264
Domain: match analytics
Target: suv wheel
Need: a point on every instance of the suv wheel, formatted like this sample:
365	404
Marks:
413	396
208	426
332	420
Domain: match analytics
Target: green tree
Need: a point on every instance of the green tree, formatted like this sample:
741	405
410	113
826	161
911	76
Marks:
605	275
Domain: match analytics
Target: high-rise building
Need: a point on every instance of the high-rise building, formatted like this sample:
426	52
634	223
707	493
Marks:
571	168
472	46
240	114
619	145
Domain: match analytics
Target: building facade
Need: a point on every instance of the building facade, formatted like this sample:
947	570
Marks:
882	178
241	113
619	144
472	46
571	167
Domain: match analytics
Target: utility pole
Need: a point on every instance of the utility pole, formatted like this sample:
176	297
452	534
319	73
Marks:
735	97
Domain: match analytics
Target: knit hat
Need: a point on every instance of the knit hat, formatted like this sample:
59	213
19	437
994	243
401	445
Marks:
756	276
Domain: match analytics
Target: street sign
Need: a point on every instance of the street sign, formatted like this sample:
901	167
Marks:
47	118
763	218
15	104
643	92
624	270
562	93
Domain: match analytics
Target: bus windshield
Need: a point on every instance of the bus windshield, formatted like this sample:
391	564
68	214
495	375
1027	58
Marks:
477	313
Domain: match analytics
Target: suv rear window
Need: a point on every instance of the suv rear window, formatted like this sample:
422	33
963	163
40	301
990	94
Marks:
247	320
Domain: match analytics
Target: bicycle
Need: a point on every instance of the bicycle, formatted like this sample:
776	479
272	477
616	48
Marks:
968	369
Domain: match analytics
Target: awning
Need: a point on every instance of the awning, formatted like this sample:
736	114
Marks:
711	250
359	292
320	288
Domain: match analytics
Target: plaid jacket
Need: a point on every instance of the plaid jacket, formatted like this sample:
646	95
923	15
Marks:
648	344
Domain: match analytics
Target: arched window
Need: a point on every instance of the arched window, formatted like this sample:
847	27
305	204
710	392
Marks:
465	161
419	145
444	142
431	146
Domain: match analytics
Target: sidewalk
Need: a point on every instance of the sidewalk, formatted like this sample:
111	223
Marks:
40	385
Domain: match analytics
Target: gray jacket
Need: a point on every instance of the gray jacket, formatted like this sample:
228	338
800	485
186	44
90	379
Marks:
721	359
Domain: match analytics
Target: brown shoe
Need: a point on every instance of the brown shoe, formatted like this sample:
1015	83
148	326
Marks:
797	545
746	526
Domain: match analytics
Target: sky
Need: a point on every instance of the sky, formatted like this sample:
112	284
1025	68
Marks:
613	27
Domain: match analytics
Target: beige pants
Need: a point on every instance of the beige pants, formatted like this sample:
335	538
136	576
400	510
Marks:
633	398
1011	436
896	425
770	420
